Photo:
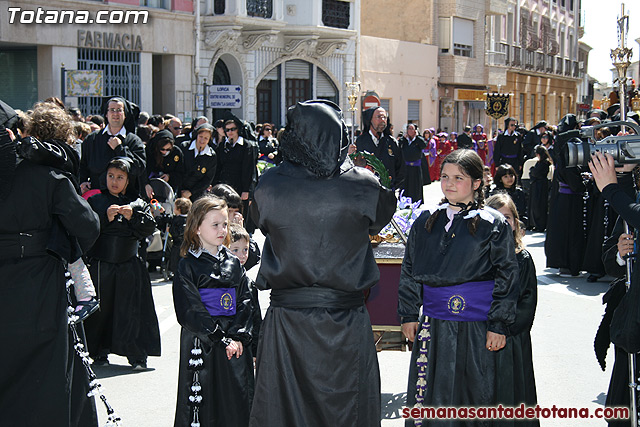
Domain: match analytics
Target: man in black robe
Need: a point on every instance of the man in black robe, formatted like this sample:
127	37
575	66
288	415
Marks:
508	148
533	138
374	141
117	139
411	145
464	139
316	363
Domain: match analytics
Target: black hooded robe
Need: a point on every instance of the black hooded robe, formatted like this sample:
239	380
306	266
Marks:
316	362
539	196
35	379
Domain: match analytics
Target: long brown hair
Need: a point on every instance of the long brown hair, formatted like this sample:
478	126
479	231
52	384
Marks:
471	165
498	201
200	208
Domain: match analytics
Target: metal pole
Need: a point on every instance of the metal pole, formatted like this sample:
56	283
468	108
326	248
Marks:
62	85
621	57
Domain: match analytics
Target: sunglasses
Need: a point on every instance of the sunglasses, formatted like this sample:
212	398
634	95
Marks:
115	110
230	129
177	127
165	150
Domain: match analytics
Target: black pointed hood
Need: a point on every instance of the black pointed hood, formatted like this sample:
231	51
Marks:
315	137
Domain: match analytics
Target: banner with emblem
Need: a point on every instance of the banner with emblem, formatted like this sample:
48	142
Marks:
497	105
84	83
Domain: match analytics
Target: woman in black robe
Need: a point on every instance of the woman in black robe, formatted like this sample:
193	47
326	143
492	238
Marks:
411	146
35	379
200	163
316	362
539	190
505	181
565	242
126	323
164	161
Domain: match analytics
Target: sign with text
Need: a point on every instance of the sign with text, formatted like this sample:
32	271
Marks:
225	96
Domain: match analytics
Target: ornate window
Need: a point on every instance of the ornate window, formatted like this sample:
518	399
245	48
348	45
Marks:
260	8
335	13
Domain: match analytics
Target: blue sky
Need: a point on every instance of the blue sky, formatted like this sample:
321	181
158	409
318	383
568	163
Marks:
600	33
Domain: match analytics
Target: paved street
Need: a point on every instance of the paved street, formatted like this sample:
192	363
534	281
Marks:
567	373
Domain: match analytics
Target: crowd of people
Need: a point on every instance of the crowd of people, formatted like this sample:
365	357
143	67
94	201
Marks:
85	189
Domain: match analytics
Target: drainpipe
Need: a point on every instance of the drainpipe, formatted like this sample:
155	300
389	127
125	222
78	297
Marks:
196	67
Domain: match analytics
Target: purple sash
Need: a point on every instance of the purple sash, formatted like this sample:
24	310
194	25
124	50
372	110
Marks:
565	189
416	163
219	301
467	302
509	156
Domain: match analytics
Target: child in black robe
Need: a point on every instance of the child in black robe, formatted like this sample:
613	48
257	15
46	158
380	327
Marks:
516	383
126	323
213	305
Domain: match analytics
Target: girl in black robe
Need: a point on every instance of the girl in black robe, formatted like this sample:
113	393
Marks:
539	190
126	323
516	383
213	305
506	180
460	265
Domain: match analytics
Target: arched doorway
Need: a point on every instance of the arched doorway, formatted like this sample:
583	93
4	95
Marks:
227	71
288	83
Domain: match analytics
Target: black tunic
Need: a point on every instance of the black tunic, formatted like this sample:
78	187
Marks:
412	153
539	196
126	323
465	141
227	385
519	198
199	171
515	379
35	378
96	155
460	370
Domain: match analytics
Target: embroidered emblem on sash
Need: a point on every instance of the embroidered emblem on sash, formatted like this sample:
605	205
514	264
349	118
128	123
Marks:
203	170
176	158
226	301
456	304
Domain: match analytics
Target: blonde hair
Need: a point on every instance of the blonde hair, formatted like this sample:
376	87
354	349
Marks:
498	201
198	211
50	122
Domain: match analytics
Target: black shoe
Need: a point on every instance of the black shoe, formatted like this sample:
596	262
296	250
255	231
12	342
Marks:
100	361
139	365
593	278
85	309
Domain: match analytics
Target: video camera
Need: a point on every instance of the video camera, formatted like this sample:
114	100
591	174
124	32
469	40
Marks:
624	148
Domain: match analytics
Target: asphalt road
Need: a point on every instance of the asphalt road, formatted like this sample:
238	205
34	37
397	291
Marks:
567	373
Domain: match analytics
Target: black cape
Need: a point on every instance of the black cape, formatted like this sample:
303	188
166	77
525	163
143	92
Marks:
37	359
317	363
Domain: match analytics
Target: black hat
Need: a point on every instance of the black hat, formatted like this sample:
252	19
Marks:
611	111
539	125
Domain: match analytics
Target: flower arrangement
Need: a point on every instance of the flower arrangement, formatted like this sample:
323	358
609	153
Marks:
406	214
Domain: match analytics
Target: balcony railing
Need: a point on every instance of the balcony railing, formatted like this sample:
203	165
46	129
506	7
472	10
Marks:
567	67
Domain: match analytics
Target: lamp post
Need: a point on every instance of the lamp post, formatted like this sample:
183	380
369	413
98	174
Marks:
353	91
